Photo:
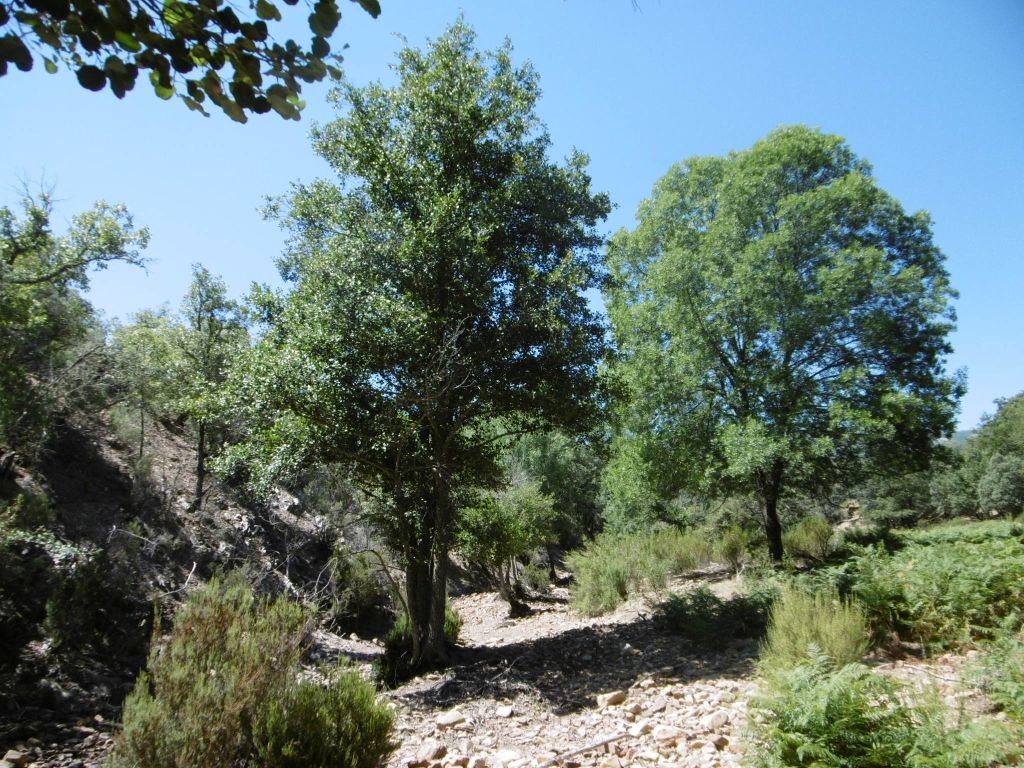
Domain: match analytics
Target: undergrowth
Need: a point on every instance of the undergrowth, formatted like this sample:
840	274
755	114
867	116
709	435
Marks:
704	619
613	567
800	621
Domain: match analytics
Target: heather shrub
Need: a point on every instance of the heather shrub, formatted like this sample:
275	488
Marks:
733	547
323	726
810	538
802	624
613	567
223	690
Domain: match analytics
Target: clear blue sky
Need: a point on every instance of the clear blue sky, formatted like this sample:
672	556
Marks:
932	93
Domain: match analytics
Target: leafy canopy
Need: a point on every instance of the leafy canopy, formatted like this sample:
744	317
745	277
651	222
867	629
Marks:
437	299
782	323
184	46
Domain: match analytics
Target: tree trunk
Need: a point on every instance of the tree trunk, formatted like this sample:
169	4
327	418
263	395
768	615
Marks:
769	486
200	464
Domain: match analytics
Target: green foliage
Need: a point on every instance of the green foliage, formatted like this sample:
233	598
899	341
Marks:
999	670
837	370
536	577
49	337
1003	432
437	302
354	591
733	547
1001	488
948	586
803	625
704	619
184	45
818	715
223	688
811	538
337	725
569	472
503	526
612	567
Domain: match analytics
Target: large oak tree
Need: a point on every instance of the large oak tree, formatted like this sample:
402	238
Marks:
782	325
436	304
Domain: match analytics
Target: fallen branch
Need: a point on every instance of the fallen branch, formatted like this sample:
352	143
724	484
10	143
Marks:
583	750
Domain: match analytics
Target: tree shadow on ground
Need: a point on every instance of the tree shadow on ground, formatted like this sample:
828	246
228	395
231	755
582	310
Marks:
570	669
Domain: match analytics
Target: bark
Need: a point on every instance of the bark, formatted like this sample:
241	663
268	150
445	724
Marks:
200	463
769	487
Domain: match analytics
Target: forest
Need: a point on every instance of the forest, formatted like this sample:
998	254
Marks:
429	503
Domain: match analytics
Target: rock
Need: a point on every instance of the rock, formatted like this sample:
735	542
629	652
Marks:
658	705
449	719
610	699
431	749
636	708
640	728
720	742
456	760
667	733
16	758
715	720
611	761
504	711
477	761
504	757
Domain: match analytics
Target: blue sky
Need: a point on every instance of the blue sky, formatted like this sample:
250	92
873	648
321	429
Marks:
932	93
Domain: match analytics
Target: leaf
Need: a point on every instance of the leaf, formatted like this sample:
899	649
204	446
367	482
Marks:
15	51
324	19
321	47
92	78
372	7
267	11
162	91
128	41
50	66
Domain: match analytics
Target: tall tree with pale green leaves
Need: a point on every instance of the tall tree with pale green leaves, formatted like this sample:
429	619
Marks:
213	333
436	304
782	325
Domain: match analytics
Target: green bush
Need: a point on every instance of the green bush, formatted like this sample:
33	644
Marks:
536	577
733	547
1001	488
355	591
322	726
803	624
818	715
611	568
223	689
810	538
704	619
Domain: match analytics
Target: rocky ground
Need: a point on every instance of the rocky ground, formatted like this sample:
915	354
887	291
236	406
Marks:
550	689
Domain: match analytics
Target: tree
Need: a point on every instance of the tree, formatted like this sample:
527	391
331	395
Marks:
183	44
1001	488
437	302
782	325
498	528
213	334
44	321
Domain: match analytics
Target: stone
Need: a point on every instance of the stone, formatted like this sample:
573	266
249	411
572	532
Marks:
449	719
635	708
667	733
16	758
715	720
720	742
640	728
431	749
504	711
477	761
505	757
610	699
658	705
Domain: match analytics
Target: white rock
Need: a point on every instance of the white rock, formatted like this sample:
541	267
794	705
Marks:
504	711
667	733
431	749
450	719
715	720
610	699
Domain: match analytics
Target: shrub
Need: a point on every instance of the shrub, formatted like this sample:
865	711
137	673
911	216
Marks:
1001	488
810	538
355	592
394	665
611	568
817	714
733	547
536	577
501	527
704	619
322	726
802	624
223	690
